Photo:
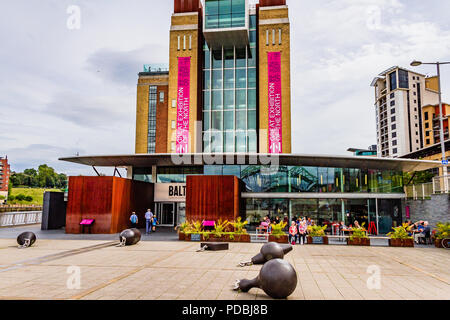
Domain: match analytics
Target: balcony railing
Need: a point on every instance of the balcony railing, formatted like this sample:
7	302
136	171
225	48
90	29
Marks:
10	219
440	185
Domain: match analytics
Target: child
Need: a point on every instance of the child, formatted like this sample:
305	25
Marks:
154	223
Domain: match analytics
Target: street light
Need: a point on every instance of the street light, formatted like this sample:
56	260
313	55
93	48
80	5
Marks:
416	63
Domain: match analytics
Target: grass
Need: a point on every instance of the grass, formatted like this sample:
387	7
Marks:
36	193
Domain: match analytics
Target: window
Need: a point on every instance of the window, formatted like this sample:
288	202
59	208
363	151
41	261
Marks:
394	126
174	124
394	151
427	125
394	142
392	95
392	111
393	119
415	101
393	80
394	134
392	103
161	96
152	99
224	13
428	141
172	146
427	133
403	79
426	115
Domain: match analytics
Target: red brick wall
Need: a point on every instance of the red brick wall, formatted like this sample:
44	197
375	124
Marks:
4	175
181	6
268	3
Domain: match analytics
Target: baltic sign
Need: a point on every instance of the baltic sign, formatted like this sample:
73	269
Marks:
275	102
170	192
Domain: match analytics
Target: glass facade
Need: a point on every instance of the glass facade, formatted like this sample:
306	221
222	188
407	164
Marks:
230	97
290	179
152	98
224	14
403	80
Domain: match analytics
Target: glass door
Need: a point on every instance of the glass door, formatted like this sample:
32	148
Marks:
166	214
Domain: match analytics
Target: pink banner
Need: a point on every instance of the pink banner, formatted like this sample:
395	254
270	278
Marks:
275	112
183	102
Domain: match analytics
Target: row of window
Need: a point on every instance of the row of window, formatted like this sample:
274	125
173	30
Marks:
288	178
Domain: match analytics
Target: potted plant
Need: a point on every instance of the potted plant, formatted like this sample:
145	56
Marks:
316	235
278	234
442	232
195	228
359	237
399	237
239	231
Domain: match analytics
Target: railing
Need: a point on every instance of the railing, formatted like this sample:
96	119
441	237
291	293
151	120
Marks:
10	219
424	191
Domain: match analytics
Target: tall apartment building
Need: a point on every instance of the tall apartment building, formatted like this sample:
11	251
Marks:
400	95
5	172
432	124
228	84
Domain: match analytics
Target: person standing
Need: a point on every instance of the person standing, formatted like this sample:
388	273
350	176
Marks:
148	220
293	233
133	220
154	223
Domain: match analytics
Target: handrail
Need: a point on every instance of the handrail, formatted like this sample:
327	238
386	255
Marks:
10	219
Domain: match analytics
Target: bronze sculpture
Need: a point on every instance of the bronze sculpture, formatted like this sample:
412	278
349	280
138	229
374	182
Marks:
277	278
129	237
26	239
269	251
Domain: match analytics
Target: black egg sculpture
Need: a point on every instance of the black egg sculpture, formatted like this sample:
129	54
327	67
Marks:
26	239
130	237
269	251
277	278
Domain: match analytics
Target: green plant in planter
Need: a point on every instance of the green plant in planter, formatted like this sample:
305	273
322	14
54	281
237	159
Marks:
185	227
239	225
206	235
231	236
442	230
317	231
278	229
400	232
219	228
195	227
359	233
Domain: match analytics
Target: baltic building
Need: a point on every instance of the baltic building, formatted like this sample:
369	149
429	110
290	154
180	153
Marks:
213	134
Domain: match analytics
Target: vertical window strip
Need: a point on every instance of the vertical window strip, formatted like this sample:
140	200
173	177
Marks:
179	43
279	36
273	36
184	42
267	37
190	42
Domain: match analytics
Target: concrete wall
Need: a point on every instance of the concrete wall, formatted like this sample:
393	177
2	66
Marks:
435	210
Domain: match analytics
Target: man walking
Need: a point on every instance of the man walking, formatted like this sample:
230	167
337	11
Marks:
148	220
133	220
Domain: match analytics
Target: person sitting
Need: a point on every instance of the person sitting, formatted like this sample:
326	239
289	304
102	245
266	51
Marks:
420	231
293	233
424	234
357	224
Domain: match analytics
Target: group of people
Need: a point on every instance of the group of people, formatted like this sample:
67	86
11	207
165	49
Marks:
150	221
418	230
299	229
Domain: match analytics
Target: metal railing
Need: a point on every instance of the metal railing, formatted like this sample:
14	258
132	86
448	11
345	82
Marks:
424	191
10	219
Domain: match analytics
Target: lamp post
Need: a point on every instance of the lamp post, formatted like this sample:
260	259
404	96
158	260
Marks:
416	63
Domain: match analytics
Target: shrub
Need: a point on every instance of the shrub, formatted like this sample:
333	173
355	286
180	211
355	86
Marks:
28	198
442	230
239	226
316	231
278	229
400	232
219	228
20	197
359	233
11	198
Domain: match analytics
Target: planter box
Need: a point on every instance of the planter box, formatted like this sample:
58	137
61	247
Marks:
317	240
401	242
438	243
358	242
281	239
224	238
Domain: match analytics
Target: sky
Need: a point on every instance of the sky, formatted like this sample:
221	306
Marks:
68	85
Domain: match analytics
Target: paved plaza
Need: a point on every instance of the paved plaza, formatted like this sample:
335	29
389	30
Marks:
174	270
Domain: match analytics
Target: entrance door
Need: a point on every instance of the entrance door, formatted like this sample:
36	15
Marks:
166	214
